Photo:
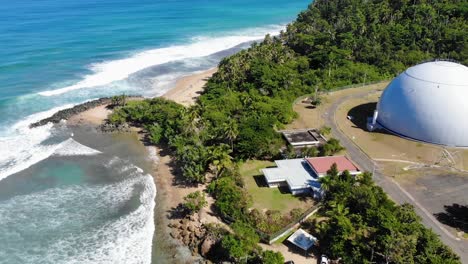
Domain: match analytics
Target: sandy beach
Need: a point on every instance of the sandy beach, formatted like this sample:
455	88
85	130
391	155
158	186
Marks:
169	192
185	92
188	88
94	116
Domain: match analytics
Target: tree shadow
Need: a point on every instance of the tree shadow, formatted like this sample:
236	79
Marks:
455	215
178	212
306	198
173	165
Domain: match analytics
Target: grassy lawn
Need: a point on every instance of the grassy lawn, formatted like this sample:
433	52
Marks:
286	236
269	198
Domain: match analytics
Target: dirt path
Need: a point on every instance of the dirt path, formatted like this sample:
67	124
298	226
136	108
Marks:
292	253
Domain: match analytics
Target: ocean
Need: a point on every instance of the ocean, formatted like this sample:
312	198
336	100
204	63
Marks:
65	200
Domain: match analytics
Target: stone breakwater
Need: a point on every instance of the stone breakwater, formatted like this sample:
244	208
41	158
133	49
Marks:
65	114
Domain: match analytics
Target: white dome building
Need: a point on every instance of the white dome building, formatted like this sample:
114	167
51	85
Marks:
428	102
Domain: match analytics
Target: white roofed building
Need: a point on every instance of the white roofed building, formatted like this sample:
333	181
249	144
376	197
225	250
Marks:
294	173
302	175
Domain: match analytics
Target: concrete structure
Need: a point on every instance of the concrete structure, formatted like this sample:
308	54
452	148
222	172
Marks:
301	138
302	175
296	174
427	103
302	239
321	165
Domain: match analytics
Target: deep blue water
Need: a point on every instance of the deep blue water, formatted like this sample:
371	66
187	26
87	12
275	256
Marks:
56	53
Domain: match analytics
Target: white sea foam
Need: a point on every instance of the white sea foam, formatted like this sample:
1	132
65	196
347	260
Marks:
153	154
72	148
115	70
77	224
23	148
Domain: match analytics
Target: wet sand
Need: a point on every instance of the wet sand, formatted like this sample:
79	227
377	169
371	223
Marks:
169	192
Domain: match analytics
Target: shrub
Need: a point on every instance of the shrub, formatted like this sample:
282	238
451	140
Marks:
194	202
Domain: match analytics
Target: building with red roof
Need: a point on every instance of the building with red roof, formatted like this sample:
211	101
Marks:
320	165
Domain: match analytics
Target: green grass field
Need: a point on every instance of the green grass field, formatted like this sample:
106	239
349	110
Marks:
265	198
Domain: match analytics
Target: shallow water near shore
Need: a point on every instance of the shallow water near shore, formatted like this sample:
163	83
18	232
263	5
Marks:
82	205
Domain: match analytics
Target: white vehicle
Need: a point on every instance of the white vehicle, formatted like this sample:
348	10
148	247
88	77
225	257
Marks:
324	260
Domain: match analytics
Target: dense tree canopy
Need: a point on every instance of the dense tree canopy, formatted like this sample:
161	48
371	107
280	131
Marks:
364	226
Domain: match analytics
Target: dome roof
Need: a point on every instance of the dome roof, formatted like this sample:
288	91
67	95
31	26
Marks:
441	72
428	102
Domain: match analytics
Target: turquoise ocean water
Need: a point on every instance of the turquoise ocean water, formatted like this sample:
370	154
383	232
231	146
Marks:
54	54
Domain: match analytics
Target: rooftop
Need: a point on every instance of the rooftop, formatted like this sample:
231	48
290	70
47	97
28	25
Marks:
323	164
303	137
302	239
296	172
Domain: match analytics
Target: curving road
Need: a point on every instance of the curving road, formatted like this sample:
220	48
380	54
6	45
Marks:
392	188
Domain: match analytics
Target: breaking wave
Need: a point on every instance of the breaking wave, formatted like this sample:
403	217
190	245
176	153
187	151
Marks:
115	70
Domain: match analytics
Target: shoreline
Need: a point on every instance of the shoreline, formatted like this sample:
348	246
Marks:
169	193
188	88
185	92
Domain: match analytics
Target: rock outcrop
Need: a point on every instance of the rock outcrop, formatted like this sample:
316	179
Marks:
65	114
190	231
111	128
69	112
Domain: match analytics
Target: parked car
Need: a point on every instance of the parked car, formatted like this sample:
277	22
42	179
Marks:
289	262
324	260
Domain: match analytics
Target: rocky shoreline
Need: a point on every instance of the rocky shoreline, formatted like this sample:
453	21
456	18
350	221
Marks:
65	114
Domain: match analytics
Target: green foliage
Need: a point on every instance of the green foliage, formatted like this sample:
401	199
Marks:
155	133
242	244
117	117
290	152
257	138
195	201
272	257
310	152
325	130
331	147
365	226
235	247
317	101
272	221
231	199
118	100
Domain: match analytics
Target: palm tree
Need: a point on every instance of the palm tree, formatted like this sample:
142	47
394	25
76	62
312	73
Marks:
193	116
230	132
219	158
337	209
325	183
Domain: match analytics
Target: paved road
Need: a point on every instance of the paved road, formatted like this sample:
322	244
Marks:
397	193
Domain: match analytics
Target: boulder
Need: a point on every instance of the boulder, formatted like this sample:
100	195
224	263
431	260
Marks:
190	228
206	246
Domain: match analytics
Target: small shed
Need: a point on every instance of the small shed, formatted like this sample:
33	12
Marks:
301	138
302	239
